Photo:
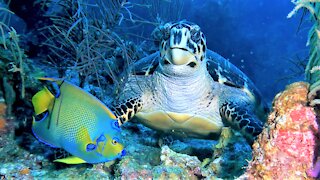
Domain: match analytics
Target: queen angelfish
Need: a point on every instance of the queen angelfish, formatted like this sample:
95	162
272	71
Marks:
68	117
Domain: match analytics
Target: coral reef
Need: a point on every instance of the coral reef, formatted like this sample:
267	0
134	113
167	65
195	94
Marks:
145	160
172	165
94	50
287	146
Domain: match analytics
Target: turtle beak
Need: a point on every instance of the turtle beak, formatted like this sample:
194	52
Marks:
179	56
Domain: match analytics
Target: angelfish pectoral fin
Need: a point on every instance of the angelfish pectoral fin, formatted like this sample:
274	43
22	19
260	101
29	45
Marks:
71	160
41	101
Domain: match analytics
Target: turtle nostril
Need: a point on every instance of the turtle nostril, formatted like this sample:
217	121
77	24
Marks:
192	64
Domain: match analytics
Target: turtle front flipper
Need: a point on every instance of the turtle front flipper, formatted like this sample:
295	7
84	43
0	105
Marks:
125	110
242	119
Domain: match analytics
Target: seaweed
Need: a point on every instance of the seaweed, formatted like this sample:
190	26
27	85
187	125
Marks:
312	70
82	39
10	56
17	72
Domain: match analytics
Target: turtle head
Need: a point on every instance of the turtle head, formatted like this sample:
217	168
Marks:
182	48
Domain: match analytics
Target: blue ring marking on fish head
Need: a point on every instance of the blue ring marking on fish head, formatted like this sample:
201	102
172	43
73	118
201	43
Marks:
123	153
90	147
101	138
115	125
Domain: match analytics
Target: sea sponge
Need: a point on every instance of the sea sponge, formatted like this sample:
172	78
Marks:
286	147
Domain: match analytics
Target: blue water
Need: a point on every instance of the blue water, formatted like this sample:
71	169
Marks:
256	36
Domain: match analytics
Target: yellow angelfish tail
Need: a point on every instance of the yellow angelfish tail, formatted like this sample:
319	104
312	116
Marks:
41	101
70	160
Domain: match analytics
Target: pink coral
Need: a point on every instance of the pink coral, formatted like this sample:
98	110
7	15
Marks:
296	140
286	148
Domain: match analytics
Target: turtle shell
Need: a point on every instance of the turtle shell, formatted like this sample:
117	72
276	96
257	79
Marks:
224	72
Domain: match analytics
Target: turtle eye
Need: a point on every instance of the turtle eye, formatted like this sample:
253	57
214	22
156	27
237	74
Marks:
165	34
195	34
115	141
90	147
166	31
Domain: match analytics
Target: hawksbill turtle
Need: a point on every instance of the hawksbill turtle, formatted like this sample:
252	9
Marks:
187	90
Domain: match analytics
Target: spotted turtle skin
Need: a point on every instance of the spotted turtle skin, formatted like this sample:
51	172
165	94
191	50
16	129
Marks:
188	90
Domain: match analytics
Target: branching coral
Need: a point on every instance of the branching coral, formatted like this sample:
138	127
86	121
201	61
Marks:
85	37
10	54
312	70
82	39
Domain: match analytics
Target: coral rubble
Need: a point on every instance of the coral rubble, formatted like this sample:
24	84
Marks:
286	147
173	165
145	160
230	155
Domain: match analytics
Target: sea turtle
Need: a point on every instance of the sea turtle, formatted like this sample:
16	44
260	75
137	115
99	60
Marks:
188	90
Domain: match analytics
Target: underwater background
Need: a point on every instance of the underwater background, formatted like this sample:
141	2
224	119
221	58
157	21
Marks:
256	37
92	43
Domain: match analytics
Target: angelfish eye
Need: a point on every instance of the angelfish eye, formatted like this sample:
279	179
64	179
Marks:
90	147
115	141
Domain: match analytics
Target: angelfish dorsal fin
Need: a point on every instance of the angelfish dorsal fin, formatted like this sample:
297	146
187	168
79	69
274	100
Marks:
70	160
